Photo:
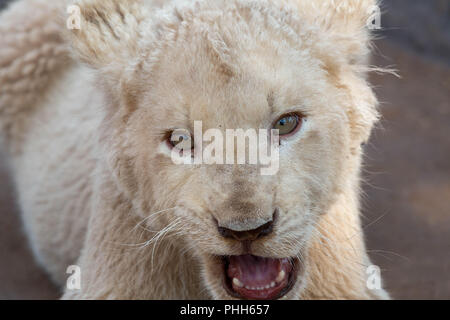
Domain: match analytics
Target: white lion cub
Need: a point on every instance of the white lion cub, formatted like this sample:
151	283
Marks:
88	116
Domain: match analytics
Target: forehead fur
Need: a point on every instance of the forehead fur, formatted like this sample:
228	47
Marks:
231	29
111	30
119	38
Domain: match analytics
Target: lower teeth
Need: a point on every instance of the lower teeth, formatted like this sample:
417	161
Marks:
239	284
279	278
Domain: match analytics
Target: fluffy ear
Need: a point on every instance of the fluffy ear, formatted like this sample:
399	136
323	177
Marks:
344	16
108	32
347	22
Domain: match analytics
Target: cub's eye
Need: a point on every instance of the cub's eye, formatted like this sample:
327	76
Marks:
181	139
288	124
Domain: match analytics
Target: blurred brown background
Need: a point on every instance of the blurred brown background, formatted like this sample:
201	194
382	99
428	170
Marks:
406	206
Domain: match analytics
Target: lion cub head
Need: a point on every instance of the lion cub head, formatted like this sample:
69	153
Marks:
216	65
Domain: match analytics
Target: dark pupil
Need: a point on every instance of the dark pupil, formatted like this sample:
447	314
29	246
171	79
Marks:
286	121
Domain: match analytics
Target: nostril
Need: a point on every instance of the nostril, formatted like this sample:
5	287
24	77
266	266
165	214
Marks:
224	232
265	229
247	235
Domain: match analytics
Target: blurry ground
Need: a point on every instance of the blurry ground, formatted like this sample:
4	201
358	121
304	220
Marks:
407	204
408	178
421	25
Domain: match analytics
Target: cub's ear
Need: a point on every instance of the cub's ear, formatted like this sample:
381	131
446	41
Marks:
343	16
106	34
348	23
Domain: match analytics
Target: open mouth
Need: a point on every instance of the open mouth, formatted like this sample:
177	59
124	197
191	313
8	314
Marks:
258	278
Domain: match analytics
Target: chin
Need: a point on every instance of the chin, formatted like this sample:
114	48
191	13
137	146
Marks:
252	277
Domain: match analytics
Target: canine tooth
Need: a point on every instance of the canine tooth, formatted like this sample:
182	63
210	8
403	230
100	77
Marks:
272	284
280	276
267	286
237	283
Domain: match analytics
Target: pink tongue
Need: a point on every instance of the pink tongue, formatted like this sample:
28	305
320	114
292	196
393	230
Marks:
255	271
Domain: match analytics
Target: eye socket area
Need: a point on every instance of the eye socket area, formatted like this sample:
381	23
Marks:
288	124
180	139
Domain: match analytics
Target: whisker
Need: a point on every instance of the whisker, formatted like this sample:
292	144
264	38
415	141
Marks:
150	216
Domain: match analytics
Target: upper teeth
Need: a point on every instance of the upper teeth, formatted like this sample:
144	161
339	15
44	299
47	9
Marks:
279	278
